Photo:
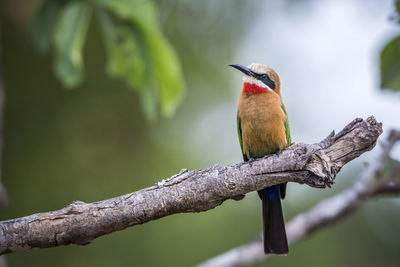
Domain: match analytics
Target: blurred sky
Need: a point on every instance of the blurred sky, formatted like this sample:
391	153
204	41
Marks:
327	55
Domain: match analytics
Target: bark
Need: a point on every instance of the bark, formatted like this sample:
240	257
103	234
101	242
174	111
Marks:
191	191
372	182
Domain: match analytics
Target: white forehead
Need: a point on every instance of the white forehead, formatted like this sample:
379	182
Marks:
258	68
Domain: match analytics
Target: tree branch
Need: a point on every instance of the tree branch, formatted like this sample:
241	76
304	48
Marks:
191	191
372	182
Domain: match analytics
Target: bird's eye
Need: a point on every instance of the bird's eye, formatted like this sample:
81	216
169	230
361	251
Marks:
264	76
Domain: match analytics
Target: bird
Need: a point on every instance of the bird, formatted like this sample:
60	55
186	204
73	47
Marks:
263	129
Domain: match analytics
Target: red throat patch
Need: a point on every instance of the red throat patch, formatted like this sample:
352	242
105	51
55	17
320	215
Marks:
252	88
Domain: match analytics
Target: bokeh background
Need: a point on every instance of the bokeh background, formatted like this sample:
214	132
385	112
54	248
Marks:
95	142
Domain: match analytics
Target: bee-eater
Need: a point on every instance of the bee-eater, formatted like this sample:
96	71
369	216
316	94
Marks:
263	129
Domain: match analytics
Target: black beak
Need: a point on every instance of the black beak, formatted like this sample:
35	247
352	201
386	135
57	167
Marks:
243	69
261	77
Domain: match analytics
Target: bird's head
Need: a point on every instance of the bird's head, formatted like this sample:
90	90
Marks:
259	78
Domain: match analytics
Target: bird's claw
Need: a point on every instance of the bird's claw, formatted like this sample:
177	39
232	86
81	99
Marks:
250	161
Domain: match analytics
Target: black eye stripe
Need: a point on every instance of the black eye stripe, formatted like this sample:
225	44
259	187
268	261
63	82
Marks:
262	76
265	79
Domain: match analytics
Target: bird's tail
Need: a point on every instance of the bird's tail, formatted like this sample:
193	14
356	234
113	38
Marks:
275	241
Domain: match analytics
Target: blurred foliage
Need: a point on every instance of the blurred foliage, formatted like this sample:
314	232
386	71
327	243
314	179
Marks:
43	24
69	36
397	3
390	60
390	65
137	51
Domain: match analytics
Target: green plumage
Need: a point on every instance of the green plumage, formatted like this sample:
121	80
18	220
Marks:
286	123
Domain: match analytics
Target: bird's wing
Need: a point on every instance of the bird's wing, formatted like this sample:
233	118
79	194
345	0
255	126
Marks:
239	130
289	142
287	128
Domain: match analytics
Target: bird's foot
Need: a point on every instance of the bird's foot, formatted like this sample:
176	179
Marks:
278	153
250	161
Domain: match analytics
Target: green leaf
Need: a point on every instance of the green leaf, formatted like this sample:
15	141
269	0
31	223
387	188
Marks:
69	38
390	65
167	72
148	101
398	6
138	11
163	66
124	55
43	23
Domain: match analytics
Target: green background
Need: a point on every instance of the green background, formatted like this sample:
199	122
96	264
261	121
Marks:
94	142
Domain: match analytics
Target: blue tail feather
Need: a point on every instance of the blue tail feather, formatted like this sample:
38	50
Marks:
272	192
